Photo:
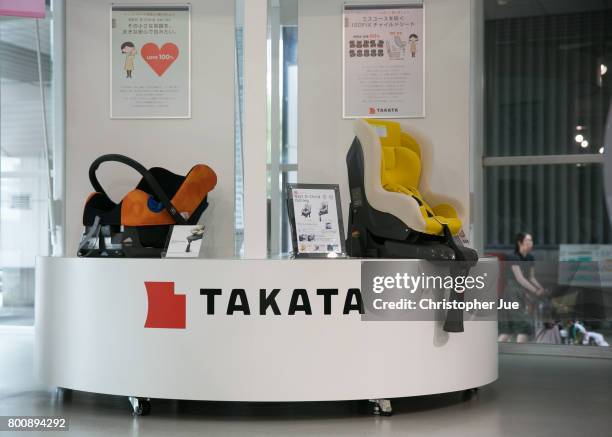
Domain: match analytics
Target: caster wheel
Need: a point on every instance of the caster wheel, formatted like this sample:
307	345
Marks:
140	406
470	393
382	407
63	394
145	408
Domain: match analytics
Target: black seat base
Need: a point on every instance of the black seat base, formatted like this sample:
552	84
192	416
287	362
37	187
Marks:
361	242
124	242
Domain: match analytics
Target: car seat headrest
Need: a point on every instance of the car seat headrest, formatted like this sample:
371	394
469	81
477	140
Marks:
400	153
389	132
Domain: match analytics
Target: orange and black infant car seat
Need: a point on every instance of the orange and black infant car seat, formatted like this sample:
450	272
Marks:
138	226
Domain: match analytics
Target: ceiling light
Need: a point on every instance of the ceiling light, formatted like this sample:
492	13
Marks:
579	138
601	150
603	69
584	144
579	127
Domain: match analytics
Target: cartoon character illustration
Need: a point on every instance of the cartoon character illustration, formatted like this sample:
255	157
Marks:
412	40
129	50
306	210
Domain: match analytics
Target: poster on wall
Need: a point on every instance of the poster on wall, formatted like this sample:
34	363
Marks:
383	61
150	65
315	216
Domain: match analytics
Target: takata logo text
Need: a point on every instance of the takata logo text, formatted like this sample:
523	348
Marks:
372	110
168	310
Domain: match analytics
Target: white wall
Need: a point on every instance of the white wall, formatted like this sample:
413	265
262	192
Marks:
444	133
208	137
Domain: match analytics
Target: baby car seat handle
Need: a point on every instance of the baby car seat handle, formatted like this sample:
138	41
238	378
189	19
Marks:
157	189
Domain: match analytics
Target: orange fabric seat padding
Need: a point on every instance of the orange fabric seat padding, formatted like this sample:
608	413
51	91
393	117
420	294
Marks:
200	180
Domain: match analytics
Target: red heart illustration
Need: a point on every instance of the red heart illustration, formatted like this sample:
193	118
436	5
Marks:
159	59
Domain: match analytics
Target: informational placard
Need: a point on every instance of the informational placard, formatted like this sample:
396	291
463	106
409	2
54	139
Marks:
315	216
383	61
185	241
150	65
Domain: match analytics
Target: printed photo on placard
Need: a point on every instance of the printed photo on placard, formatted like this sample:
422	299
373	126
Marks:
185	241
383	61
150	66
315	217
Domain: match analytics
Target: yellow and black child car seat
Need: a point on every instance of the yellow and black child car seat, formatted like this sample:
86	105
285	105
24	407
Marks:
389	216
139	224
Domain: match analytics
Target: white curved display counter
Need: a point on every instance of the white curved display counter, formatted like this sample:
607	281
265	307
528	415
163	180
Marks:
95	332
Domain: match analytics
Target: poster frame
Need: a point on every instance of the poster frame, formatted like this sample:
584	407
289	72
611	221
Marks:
292	224
403	4
145	6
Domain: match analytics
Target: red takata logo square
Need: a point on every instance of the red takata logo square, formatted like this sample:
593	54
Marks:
372	111
166	309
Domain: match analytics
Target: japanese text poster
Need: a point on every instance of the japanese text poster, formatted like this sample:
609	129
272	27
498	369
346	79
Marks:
383	61
150	61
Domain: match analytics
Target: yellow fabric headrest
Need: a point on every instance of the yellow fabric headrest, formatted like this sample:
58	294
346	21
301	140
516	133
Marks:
391	135
401	155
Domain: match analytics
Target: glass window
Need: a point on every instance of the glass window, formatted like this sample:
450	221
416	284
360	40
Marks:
547	92
559	204
547	84
238	167
28	174
283	133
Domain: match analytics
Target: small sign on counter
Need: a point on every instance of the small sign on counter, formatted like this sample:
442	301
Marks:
185	241
315	216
